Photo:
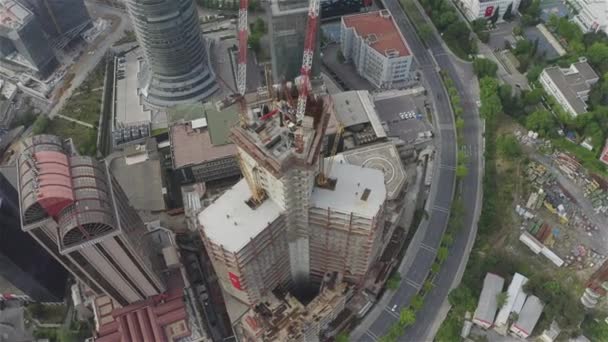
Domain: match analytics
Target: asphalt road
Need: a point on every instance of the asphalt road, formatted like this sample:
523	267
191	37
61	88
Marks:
440	198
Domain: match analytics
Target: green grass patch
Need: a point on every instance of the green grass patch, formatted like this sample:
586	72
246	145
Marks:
159	131
53	314
84	138
85	103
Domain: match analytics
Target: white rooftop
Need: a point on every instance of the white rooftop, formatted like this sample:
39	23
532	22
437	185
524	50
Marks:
352	181
230	222
129	110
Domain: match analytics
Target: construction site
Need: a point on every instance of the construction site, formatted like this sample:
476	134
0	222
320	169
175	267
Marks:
306	228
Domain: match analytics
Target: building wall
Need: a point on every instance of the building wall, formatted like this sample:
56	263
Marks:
292	193
170	35
377	68
23	262
59	17
287	30
592	15
552	89
256	269
475	9
216	169
30	42
343	242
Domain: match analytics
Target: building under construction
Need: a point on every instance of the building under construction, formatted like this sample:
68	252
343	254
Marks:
294	217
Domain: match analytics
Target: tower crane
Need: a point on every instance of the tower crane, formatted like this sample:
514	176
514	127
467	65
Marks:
307	59
257	193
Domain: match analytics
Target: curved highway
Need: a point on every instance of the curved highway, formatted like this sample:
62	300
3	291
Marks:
415	268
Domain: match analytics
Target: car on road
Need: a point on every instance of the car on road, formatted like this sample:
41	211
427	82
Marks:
402	115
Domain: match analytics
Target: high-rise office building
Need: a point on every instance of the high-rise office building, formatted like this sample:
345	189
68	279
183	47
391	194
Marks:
287	31
178	69
77	211
62	20
23	264
23	45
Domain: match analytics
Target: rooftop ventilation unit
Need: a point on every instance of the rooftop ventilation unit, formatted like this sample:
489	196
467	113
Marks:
391	53
371	39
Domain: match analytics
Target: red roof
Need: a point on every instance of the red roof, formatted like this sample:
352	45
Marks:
161	318
380	24
604	155
54	181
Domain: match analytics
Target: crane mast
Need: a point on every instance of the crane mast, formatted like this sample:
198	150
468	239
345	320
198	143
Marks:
307	59
241	77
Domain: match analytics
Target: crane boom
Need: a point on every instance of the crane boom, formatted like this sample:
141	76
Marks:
307	59
241	77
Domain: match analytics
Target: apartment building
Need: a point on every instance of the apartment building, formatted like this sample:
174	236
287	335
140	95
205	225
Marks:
592	15
570	86
374	44
478	9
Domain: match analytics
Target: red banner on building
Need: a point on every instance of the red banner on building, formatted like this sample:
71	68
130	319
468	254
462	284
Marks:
235	280
489	11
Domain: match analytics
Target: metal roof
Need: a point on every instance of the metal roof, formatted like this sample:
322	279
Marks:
487	306
529	315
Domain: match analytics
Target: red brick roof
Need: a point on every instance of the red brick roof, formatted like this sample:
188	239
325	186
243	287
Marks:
382	26
161	318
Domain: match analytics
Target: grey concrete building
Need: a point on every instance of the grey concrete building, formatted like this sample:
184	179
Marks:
287	31
61	20
23	44
177	69
77	211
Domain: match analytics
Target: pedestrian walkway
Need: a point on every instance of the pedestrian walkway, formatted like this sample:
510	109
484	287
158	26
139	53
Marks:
88	125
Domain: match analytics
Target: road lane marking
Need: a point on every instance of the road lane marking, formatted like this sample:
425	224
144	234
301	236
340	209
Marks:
428	248
413	284
371	334
390	312
447	167
441	209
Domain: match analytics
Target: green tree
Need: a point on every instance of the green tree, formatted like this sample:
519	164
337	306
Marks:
435	268
442	254
598	56
508	146
541	121
41	124
342	337
461	171
426	32
479	25
501	299
533	97
394	281
417	303
462	299
534	72
484	67
407	317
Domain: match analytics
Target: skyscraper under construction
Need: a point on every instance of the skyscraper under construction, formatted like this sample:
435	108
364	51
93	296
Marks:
293	218
75	209
177	69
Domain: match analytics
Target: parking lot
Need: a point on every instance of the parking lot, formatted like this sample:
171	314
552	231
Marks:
404	116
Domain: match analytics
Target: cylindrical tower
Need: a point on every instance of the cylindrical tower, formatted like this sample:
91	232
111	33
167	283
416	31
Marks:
170	35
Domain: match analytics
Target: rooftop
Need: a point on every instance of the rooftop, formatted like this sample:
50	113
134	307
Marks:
193	146
359	190
129	109
284	7
350	110
380	31
384	157
230	222
604	155
487	306
138	171
529	315
573	83
159	318
12	14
